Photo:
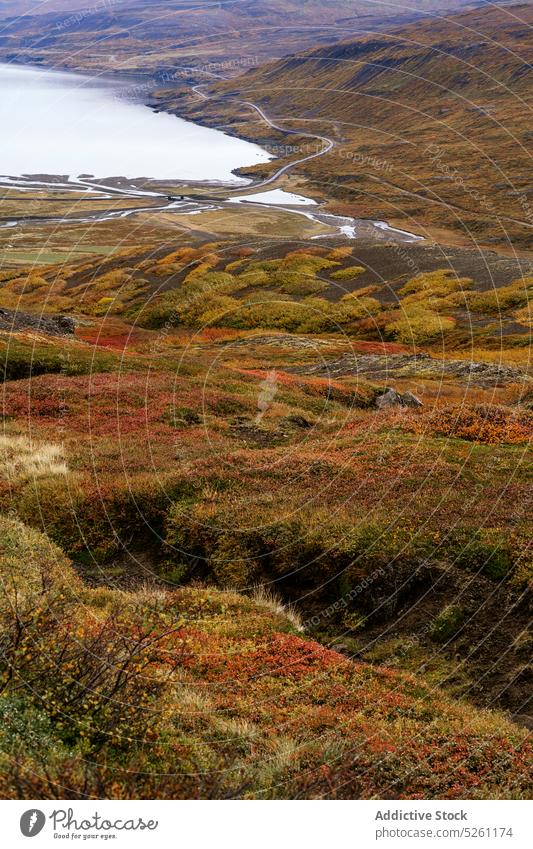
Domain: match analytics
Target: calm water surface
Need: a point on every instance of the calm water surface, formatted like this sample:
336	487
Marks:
58	123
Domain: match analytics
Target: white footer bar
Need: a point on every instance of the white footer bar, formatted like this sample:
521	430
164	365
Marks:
312	824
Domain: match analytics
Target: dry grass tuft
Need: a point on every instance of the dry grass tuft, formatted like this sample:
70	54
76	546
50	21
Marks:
269	601
21	459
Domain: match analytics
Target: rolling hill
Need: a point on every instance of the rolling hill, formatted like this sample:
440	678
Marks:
429	122
156	36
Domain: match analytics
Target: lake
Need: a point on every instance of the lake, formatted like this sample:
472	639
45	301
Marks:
56	123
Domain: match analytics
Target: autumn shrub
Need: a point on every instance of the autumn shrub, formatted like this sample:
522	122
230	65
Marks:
277	314
181	417
28	284
202	265
434	284
418	326
199	304
115	279
504	298
478	423
201	300
295	283
255	277
215	281
110	688
525	316
349	273
93	521
311	315
353	307
305	263
326	558
340	253
486	550
232	566
27	731
107	306
88	673
229	406
197	693
293	274
9	274
31	569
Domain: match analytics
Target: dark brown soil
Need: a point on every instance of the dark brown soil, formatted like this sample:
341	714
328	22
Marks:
489	650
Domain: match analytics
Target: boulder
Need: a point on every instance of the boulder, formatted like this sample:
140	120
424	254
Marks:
391	398
56	325
410	400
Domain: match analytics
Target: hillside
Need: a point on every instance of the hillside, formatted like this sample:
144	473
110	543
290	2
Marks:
429	122
223	418
170	38
265	470
207	694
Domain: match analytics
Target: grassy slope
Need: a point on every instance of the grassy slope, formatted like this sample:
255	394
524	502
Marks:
402	536
234	702
455	301
165	36
170	470
428	120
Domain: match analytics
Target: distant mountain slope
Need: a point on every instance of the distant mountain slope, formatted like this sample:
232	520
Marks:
430	120
153	35
10	8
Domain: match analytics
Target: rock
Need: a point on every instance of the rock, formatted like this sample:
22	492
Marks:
419	366
56	325
390	398
410	400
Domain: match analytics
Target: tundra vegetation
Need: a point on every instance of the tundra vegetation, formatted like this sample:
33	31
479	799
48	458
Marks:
265	491
226	570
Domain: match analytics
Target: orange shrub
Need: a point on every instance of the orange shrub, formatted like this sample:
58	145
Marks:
481	423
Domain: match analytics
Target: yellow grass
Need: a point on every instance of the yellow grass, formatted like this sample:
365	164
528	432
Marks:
20	458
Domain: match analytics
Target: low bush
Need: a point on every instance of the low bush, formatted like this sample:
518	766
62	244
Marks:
500	300
294	283
525	316
349	273
20	359
434	284
353	307
447	624
93	521
327	558
197	693
419	326
488	424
